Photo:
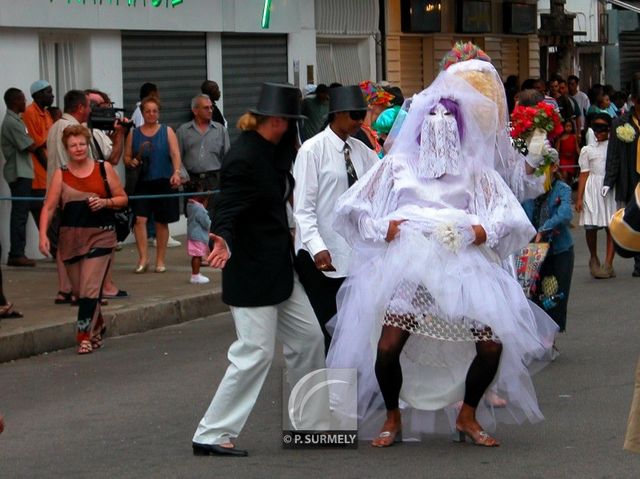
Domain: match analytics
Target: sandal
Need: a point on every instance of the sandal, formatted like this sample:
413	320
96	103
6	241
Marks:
478	438
7	311
85	347
96	341
387	438
120	294
63	298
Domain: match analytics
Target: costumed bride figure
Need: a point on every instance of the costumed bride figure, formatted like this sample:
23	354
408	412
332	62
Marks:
428	315
470	63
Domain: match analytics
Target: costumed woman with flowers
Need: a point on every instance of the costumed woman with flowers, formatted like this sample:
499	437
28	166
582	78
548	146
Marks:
534	124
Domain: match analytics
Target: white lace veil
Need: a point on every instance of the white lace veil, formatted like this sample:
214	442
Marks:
427	144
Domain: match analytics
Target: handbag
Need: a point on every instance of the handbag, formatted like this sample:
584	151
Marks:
528	263
123	217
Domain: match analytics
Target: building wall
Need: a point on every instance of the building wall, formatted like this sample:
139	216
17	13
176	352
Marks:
619	21
413	59
95	30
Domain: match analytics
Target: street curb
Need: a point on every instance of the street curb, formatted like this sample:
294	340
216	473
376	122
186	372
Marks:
137	319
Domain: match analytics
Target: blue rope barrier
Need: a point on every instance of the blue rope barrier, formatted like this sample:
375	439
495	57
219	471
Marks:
132	197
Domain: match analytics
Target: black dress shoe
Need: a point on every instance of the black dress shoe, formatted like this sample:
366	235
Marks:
636	273
216	450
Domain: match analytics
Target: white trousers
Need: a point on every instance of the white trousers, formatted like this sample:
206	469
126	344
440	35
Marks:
294	324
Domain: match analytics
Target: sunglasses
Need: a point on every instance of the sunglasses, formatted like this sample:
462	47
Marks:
600	128
357	115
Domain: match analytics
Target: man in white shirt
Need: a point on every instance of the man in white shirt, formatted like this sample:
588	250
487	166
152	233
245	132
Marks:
325	167
147	89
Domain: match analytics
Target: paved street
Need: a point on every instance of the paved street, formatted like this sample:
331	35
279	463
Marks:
130	409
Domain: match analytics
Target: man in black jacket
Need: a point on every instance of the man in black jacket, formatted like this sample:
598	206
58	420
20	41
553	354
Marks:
623	160
253	246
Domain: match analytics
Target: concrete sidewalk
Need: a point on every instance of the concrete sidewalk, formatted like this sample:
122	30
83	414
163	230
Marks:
155	300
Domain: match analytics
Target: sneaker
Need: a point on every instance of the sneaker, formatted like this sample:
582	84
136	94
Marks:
20	261
152	242
199	279
172	243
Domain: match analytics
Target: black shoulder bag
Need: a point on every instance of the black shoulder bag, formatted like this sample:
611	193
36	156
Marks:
124	216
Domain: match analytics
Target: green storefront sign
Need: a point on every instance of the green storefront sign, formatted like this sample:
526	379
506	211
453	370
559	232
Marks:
129	3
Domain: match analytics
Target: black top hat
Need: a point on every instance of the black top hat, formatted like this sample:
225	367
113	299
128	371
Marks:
346	98
278	100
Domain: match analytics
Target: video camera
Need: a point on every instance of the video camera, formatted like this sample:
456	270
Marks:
103	118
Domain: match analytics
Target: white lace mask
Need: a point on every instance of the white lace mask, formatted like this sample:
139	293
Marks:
439	144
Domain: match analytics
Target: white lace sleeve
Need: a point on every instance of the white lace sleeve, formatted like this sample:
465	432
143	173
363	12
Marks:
360	211
511	165
505	222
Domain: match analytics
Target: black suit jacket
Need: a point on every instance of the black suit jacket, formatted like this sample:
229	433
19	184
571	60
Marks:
250	214
621	161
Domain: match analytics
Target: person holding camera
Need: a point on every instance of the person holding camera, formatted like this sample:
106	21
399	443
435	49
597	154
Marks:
154	148
106	145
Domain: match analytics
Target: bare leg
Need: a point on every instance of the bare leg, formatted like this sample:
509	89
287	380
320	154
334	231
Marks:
64	283
110	288
389	375
162	236
592	243
140	233
195	264
611	251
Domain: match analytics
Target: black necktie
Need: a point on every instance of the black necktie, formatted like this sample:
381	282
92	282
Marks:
352	177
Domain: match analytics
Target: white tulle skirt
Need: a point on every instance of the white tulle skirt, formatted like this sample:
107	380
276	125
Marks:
467	289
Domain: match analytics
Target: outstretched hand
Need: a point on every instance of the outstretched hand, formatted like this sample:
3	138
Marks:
220	253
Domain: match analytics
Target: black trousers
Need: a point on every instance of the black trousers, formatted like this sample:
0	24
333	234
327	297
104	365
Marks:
19	216
321	291
561	266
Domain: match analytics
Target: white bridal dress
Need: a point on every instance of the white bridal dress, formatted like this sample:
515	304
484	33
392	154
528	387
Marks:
431	280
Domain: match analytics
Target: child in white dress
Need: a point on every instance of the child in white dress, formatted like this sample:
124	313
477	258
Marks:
596	210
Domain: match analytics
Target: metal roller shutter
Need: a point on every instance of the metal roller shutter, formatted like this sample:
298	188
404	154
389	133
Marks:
247	62
175	61
629	57
339	62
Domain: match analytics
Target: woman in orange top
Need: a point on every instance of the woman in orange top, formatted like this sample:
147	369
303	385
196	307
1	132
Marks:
87	229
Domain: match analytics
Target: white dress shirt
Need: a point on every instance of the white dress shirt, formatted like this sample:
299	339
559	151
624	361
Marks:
321	178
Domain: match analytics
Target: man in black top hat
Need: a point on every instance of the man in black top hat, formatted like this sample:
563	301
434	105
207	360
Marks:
623	157
326	166
253	246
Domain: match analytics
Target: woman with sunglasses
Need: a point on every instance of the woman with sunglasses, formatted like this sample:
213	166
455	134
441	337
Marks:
322	175
596	210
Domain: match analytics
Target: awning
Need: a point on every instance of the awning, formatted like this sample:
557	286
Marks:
633	6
